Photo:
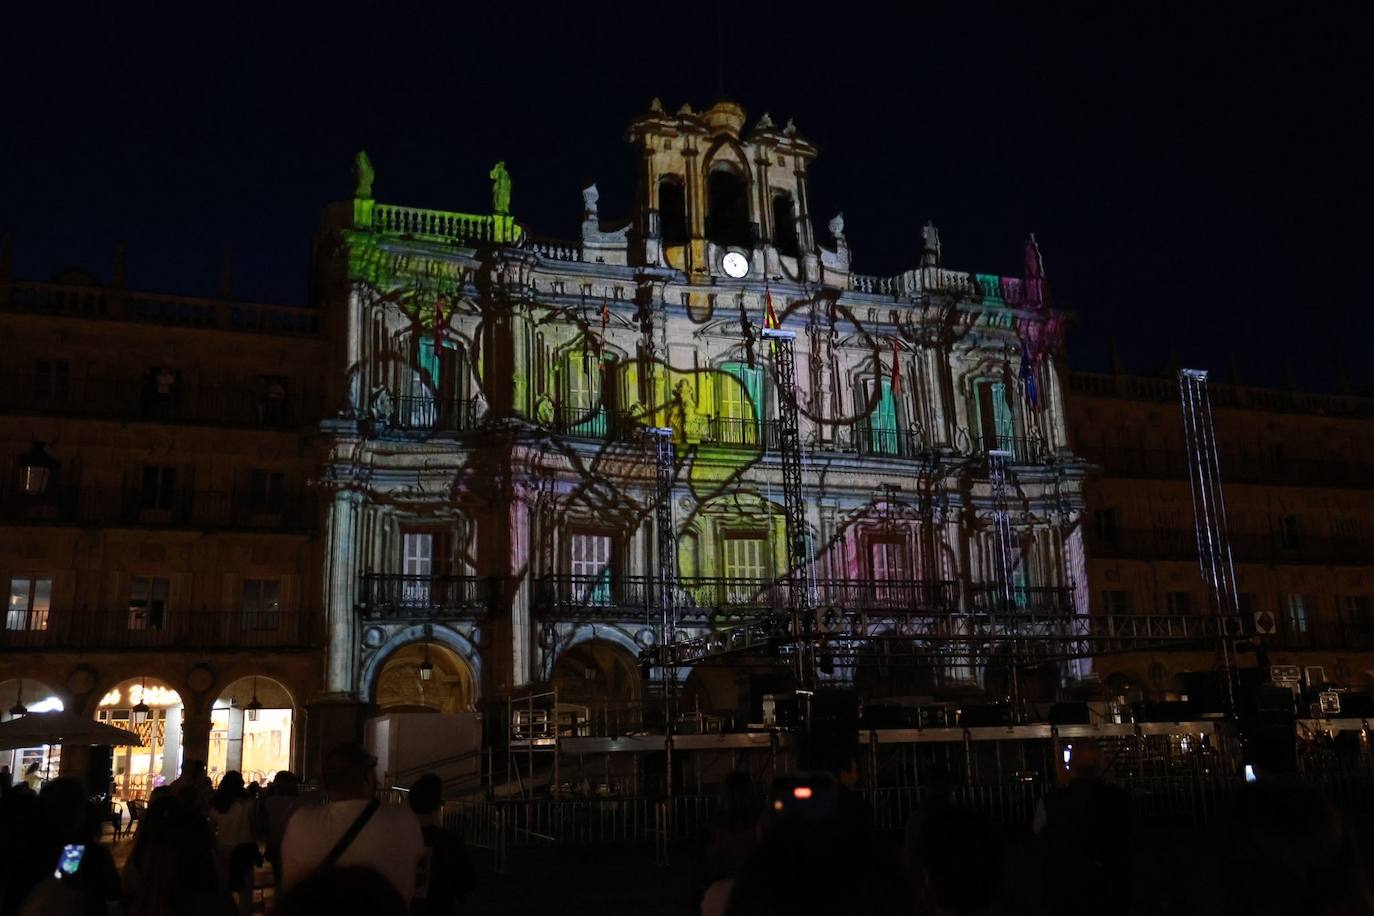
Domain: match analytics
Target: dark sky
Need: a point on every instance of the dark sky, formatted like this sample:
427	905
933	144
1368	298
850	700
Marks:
1199	179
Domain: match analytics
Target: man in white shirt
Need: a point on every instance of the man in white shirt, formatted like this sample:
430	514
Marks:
390	842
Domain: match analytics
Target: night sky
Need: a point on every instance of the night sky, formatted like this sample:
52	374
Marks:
1199	181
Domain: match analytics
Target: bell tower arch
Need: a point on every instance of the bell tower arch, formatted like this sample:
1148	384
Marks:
707	189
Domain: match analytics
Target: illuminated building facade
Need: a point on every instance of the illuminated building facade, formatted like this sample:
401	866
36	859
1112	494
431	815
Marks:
1297	478
490	490
158	536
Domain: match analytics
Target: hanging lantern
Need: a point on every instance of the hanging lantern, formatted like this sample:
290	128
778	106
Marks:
426	666
254	705
19	709
36	470
139	714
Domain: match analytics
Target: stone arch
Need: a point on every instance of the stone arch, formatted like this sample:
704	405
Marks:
456	642
33	693
597	665
257	741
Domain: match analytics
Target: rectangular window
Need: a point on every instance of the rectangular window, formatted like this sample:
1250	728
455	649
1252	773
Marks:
1294	612
890	570
148	603
880	429
30	600
266	492
994	414
590	565
739	391
420	409
1289	535
51	381
159	488
1116	601
583	407
417	568
1357	612
261	604
1178	602
746	567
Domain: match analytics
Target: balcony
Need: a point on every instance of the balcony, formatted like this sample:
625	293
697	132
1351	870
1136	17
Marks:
118	507
1023	449
1269	549
1237	466
111	629
1023	599
702	599
126	400
736	432
98	302
599	423
888	442
428	414
387	596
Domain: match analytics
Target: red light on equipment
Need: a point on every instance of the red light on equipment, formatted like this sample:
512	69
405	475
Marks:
801	792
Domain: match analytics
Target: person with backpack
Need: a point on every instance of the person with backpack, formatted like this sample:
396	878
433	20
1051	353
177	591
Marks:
353	828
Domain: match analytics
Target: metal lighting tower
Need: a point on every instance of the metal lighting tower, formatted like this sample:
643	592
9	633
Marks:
667	565
799	598
1209	515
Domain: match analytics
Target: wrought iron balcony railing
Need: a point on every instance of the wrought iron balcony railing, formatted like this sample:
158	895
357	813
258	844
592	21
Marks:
1271	549
180	509
132	399
595	423
1024	450
173	629
889	441
431	414
386	596
1021	599
703	598
734	432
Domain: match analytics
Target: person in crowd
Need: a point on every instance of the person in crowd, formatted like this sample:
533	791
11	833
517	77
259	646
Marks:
283	797
353	828
70	820
193	785
948	881
1086	829
6	779
445	875
171	870
936	796
21	859
731	837
236	849
32	778
1281	848
341	890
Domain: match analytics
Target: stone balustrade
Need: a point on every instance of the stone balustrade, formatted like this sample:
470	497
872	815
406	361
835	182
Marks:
443	226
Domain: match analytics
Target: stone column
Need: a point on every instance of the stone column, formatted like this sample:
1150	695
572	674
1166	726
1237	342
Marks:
341	581
195	731
523	504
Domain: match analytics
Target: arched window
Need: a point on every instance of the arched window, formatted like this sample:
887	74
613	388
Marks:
672	211
727	215
785	225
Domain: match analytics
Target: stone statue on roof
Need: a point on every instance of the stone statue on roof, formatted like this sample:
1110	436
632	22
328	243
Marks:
836	226
363	171
590	196
500	188
930	245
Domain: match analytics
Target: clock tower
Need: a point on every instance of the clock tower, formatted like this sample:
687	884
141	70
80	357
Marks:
716	202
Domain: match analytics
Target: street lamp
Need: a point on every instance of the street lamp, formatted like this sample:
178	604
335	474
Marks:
139	714
19	709
254	704
36	470
426	666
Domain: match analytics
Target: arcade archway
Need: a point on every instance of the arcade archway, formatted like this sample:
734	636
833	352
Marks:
425	677
30	696
152	710
252	730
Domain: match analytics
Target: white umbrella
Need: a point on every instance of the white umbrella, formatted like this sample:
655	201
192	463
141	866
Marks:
60	728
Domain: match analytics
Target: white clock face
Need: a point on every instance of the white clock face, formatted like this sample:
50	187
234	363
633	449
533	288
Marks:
735	264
